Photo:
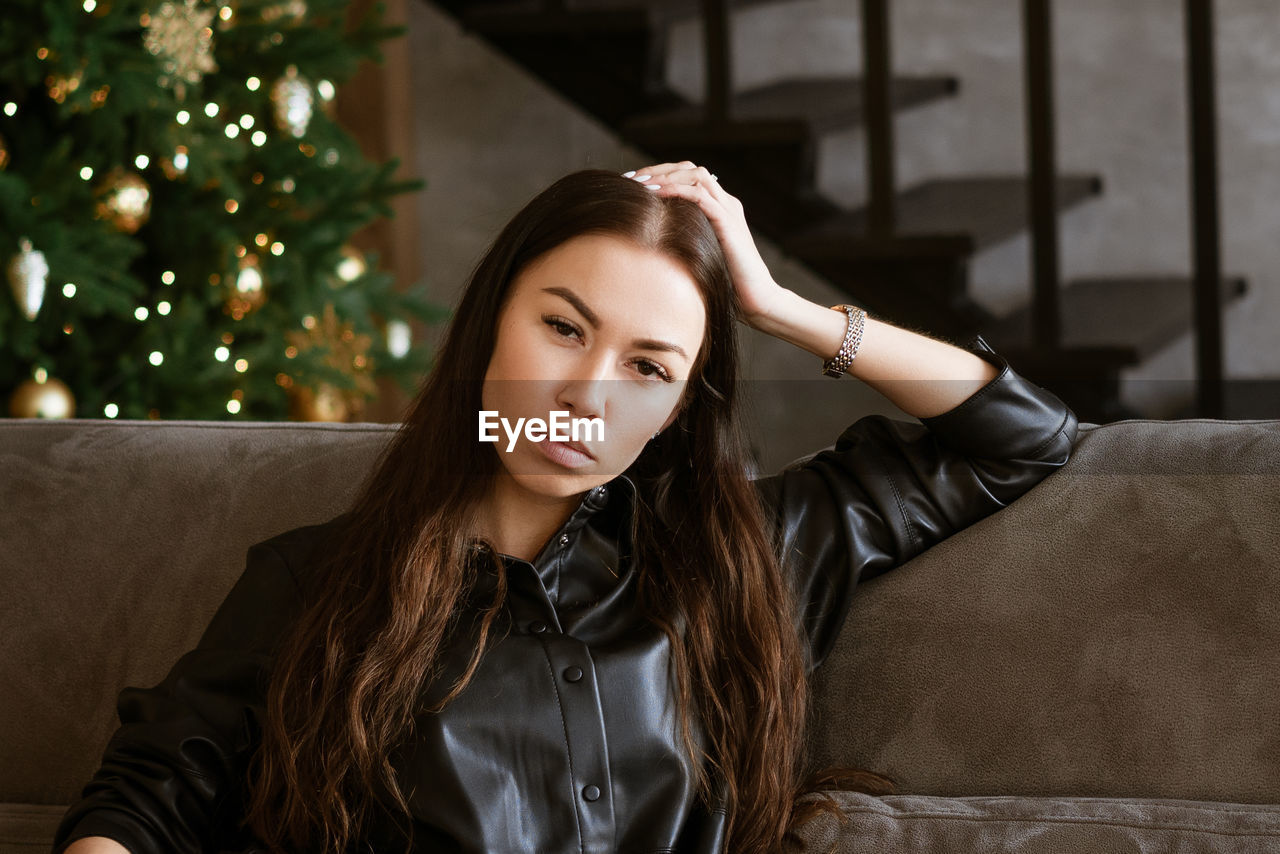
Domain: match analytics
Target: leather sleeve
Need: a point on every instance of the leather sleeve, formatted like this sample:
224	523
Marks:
889	489
170	770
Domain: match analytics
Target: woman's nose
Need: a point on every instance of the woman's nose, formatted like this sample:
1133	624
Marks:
586	393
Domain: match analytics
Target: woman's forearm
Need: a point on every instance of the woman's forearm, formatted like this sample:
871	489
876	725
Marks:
96	845
920	375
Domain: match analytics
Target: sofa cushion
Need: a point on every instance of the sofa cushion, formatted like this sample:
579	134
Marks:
1114	632
890	824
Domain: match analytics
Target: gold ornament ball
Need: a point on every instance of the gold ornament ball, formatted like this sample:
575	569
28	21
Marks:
48	399
124	200
248	292
351	267
324	403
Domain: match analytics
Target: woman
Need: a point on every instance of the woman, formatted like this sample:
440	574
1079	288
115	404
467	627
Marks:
546	646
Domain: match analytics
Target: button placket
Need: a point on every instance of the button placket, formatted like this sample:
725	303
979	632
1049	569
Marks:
585	737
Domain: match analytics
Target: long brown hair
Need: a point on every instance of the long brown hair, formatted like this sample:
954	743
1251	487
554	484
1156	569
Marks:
350	673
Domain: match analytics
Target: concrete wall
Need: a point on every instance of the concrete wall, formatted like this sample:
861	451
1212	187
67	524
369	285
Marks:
489	137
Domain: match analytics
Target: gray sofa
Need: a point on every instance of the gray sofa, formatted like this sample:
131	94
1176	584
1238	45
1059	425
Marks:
1095	668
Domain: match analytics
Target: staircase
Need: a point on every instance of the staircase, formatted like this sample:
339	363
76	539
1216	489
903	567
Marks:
906	255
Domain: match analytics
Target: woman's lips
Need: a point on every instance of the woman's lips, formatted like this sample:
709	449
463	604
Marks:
567	454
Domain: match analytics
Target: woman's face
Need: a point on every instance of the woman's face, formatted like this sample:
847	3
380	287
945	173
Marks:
600	329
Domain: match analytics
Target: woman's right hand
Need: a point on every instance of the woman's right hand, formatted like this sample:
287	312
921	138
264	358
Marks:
95	845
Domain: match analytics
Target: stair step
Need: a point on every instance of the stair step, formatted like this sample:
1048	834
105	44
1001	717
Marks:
942	217
792	108
1253	399
1140	315
507	17
669	9
576	12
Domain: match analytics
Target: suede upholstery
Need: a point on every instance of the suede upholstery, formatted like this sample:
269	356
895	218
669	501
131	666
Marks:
1094	668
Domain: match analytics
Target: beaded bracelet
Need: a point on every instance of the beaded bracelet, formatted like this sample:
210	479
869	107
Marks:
837	366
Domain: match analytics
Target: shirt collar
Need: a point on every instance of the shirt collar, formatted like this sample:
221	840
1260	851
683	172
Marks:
620	493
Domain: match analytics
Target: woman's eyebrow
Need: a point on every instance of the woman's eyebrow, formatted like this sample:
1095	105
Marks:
592	318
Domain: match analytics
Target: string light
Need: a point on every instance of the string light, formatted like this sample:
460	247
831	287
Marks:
183	117
277	248
141	161
210	109
89	6
242	365
10	108
86	172
180	159
232	131
111	410
156	357
246	121
141	313
259	138
253	84
222	354
233	406
69	290
163	307
167	277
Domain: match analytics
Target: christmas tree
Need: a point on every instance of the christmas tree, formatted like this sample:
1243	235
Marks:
176	209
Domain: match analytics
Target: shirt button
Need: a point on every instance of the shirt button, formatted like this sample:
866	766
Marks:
573	674
564	539
537	626
591	793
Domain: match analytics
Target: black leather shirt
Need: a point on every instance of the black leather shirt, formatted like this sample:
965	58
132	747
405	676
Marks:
566	740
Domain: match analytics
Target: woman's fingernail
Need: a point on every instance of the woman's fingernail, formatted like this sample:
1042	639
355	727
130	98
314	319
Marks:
654	186
644	177
628	174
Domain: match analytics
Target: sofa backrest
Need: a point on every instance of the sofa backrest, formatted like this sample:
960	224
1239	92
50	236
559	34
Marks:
118	540
1115	632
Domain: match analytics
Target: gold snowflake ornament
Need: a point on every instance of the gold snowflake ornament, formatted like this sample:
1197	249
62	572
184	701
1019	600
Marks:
343	349
181	36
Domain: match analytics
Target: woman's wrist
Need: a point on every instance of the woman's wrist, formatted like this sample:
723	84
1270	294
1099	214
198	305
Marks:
806	324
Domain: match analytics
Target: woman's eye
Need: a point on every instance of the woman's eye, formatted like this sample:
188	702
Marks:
563	327
655	368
